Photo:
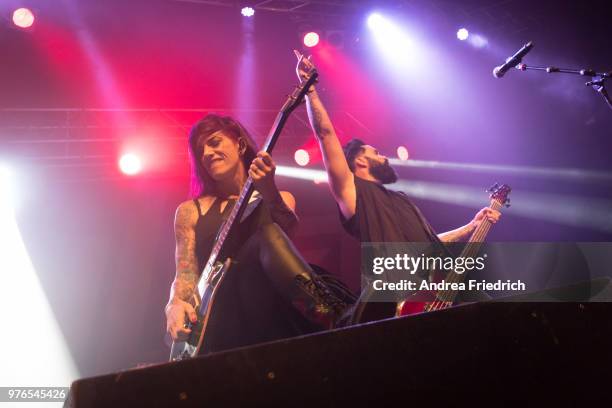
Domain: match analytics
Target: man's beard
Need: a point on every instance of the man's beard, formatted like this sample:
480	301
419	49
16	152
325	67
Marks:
382	172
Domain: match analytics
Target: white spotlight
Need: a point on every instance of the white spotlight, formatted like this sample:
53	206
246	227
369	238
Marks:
23	17
7	189
392	40
375	21
247	11
463	34
301	157
130	164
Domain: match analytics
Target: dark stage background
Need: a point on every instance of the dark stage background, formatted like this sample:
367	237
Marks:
93	79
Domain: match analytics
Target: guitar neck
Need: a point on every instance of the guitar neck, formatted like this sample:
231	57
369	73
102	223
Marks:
470	251
247	190
245	193
480	233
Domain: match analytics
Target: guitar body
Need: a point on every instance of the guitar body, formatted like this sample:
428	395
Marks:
411	307
191	347
428	301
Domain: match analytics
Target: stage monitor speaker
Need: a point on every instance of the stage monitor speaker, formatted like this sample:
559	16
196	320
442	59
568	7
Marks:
526	353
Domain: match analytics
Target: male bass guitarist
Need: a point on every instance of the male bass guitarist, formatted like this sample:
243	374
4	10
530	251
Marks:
269	292
357	174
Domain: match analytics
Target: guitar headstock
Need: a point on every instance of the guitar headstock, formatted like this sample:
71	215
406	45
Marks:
297	96
500	193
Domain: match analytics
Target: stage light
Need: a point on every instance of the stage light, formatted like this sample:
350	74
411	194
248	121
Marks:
564	209
23	17
478	41
402	153
301	157
311	39
376	21
5	175
130	164
316	176
6	189
392	40
47	362
463	34
247	11
561	173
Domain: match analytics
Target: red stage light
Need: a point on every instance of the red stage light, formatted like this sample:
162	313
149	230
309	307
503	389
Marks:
130	164
301	157
311	39
23	17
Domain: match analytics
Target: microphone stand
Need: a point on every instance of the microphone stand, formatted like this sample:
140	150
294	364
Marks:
597	81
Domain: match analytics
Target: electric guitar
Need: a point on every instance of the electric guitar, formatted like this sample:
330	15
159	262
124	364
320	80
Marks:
215	268
443	299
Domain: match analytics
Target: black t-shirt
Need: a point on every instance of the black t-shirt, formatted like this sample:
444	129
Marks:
383	215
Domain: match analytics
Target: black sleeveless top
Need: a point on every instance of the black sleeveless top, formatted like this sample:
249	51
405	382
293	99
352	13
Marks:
209	223
248	308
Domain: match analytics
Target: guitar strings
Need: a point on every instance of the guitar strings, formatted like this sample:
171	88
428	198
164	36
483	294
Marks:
445	298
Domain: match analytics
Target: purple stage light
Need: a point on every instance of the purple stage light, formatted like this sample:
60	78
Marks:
478	41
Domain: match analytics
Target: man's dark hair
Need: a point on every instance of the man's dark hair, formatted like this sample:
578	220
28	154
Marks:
351	149
201	182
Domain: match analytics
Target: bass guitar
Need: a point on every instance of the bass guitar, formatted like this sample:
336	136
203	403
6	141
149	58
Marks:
443	299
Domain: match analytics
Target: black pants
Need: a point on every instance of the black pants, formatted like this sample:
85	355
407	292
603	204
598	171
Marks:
254	301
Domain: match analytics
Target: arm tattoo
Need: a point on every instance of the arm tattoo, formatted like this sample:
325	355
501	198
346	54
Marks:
187	274
319	119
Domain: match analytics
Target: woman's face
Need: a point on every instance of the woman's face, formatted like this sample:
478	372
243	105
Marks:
220	156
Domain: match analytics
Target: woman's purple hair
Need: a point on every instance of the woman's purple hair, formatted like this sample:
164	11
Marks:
201	182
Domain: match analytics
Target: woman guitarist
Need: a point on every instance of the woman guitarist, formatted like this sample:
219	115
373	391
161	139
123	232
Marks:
269	292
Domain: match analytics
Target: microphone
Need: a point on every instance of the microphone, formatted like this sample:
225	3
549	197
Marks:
514	60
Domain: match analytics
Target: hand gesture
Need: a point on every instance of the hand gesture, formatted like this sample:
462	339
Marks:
304	66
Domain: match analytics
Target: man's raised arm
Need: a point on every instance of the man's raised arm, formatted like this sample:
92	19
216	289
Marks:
341	179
